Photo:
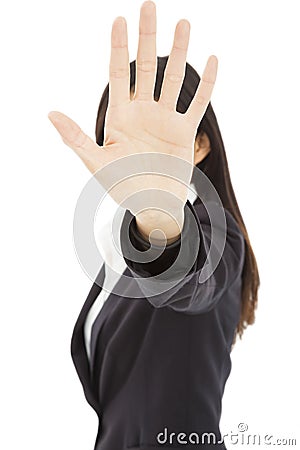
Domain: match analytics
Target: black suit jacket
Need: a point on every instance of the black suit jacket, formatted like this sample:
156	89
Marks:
161	361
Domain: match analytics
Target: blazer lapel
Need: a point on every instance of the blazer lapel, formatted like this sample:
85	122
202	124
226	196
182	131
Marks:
78	348
84	366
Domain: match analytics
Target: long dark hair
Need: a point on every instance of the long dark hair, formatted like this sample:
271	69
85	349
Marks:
215	167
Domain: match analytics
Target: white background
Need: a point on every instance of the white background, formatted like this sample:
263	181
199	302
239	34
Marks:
55	56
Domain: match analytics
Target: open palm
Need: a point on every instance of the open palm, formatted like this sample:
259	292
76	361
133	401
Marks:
141	125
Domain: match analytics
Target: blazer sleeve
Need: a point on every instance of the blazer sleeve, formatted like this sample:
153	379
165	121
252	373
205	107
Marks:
182	275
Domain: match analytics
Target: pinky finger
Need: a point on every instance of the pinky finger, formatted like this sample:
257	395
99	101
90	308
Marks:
203	94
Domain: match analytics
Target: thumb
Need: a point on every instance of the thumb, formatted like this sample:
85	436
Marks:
71	134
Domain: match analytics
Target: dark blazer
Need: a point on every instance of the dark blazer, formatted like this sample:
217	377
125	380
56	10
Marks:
160	362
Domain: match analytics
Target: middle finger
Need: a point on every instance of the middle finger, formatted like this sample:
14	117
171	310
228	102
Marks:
146	57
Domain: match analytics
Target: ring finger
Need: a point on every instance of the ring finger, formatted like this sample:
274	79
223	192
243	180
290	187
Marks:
175	69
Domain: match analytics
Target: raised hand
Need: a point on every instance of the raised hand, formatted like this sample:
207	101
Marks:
142	125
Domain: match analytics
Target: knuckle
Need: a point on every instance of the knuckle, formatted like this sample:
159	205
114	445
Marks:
143	95
146	65
178	49
81	140
166	103
192	121
174	77
118	72
144	33
200	100
207	81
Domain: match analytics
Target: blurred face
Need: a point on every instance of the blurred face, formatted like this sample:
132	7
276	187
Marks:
202	143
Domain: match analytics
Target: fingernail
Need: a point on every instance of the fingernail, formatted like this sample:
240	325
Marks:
53	116
185	25
149	4
213	60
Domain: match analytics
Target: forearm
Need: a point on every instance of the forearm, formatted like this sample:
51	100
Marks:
159	223
177	278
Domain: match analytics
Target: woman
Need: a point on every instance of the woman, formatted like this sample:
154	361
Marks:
160	357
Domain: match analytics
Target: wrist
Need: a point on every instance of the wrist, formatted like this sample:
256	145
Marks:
160	227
